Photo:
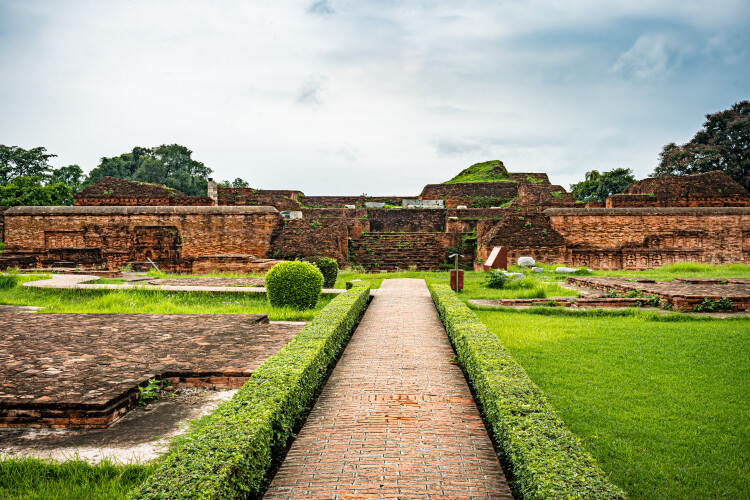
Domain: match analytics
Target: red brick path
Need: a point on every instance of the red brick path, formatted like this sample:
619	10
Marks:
396	418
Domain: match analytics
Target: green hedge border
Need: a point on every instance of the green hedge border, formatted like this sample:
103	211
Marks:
546	460
229	453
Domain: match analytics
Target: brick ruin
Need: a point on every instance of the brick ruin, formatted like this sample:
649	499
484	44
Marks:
110	191
700	218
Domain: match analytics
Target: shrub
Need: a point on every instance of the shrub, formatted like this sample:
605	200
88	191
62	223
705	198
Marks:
8	280
545	458
295	284
330	269
228	453
497	279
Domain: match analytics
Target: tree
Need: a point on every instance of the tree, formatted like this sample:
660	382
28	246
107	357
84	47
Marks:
722	144
597	187
24	190
237	183
171	165
15	161
72	176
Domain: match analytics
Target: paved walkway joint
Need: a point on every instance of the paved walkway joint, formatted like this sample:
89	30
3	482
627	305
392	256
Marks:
396	418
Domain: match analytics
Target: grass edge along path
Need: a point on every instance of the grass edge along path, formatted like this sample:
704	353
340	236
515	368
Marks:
545	460
229	453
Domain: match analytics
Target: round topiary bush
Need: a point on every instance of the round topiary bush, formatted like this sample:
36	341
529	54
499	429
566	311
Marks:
295	284
329	268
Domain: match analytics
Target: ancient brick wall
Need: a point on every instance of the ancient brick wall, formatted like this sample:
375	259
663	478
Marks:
471	194
644	200
640	238
392	251
710	189
533	178
298	238
280	199
340	201
2	223
110	191
523	234
412	220
174	236
543	195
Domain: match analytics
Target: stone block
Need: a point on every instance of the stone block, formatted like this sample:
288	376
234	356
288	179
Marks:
526	262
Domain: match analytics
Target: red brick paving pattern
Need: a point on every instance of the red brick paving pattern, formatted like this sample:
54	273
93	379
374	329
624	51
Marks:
396	418
86	366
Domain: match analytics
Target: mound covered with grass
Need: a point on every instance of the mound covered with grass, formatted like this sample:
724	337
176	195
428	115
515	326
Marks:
488	171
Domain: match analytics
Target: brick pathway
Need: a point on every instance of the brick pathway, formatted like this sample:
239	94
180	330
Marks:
396	418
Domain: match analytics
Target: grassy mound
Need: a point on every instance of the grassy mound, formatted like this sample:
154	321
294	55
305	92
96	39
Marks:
488	171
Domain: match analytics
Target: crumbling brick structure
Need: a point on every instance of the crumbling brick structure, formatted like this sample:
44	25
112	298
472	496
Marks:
641	238
176	238
281	199
111	191
711	189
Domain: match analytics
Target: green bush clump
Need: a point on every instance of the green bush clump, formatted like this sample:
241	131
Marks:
295	284
546	460
497	279
8	280
228	453
330	269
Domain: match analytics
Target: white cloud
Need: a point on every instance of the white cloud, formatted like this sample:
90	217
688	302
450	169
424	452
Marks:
651	56
409	92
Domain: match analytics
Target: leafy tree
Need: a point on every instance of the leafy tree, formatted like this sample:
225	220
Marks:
24	190
72	176
237	183
15	161
171	165
597	187
722	144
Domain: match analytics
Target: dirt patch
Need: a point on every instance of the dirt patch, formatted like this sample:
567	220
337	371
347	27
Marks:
142	434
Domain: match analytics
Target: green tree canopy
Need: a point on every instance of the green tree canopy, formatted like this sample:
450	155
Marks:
597	187
24	190
15	161
722	144
237	183
72	176
171	165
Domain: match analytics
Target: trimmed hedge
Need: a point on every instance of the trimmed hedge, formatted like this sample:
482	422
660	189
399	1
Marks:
546	459
228	453
296	284
329	267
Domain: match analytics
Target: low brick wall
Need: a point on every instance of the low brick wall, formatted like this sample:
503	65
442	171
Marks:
411	220
643	238
175	235
280	199
470	193
298	238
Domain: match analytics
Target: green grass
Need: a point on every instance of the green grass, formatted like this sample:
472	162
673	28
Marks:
31	478
488	171
661	402
108	281
535	286
162	275
664	273
153	302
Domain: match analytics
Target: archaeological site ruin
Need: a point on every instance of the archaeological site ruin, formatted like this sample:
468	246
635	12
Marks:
114	223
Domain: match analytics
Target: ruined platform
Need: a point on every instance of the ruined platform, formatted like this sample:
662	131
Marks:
83	370
682	293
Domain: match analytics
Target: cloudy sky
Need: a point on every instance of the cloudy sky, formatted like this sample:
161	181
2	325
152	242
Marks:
376	97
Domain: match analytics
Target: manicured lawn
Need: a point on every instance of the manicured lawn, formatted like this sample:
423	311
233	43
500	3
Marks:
152	302
30	478
662	403
474	287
